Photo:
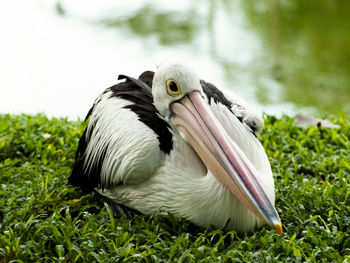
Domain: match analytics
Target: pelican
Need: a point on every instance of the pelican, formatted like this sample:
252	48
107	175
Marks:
169	142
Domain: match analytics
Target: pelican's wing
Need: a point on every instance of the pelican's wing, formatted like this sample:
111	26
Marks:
125	140
252	120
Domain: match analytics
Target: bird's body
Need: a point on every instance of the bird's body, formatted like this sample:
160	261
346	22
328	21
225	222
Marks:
138	154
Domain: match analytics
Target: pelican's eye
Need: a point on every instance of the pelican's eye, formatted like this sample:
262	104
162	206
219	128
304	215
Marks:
173	88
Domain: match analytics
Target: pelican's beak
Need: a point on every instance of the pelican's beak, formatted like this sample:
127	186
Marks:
222	156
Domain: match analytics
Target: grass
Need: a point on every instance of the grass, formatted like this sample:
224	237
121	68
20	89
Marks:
43	219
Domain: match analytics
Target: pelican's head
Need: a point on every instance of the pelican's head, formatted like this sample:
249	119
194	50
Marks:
171	82
179	97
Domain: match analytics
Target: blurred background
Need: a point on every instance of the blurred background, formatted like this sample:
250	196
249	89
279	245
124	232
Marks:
282	56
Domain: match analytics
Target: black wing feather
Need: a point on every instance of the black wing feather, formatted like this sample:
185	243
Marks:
214	93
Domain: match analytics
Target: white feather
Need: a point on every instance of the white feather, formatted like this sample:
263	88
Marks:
130	156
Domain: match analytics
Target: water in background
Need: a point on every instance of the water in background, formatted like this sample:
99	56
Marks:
281	56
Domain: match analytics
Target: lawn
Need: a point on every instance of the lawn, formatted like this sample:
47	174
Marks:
43	219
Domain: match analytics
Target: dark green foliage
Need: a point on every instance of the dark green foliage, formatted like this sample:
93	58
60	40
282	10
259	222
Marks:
43	219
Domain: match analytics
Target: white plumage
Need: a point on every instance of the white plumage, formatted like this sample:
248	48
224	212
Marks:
134	171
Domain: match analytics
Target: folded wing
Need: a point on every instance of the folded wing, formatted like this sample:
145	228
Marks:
125	141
